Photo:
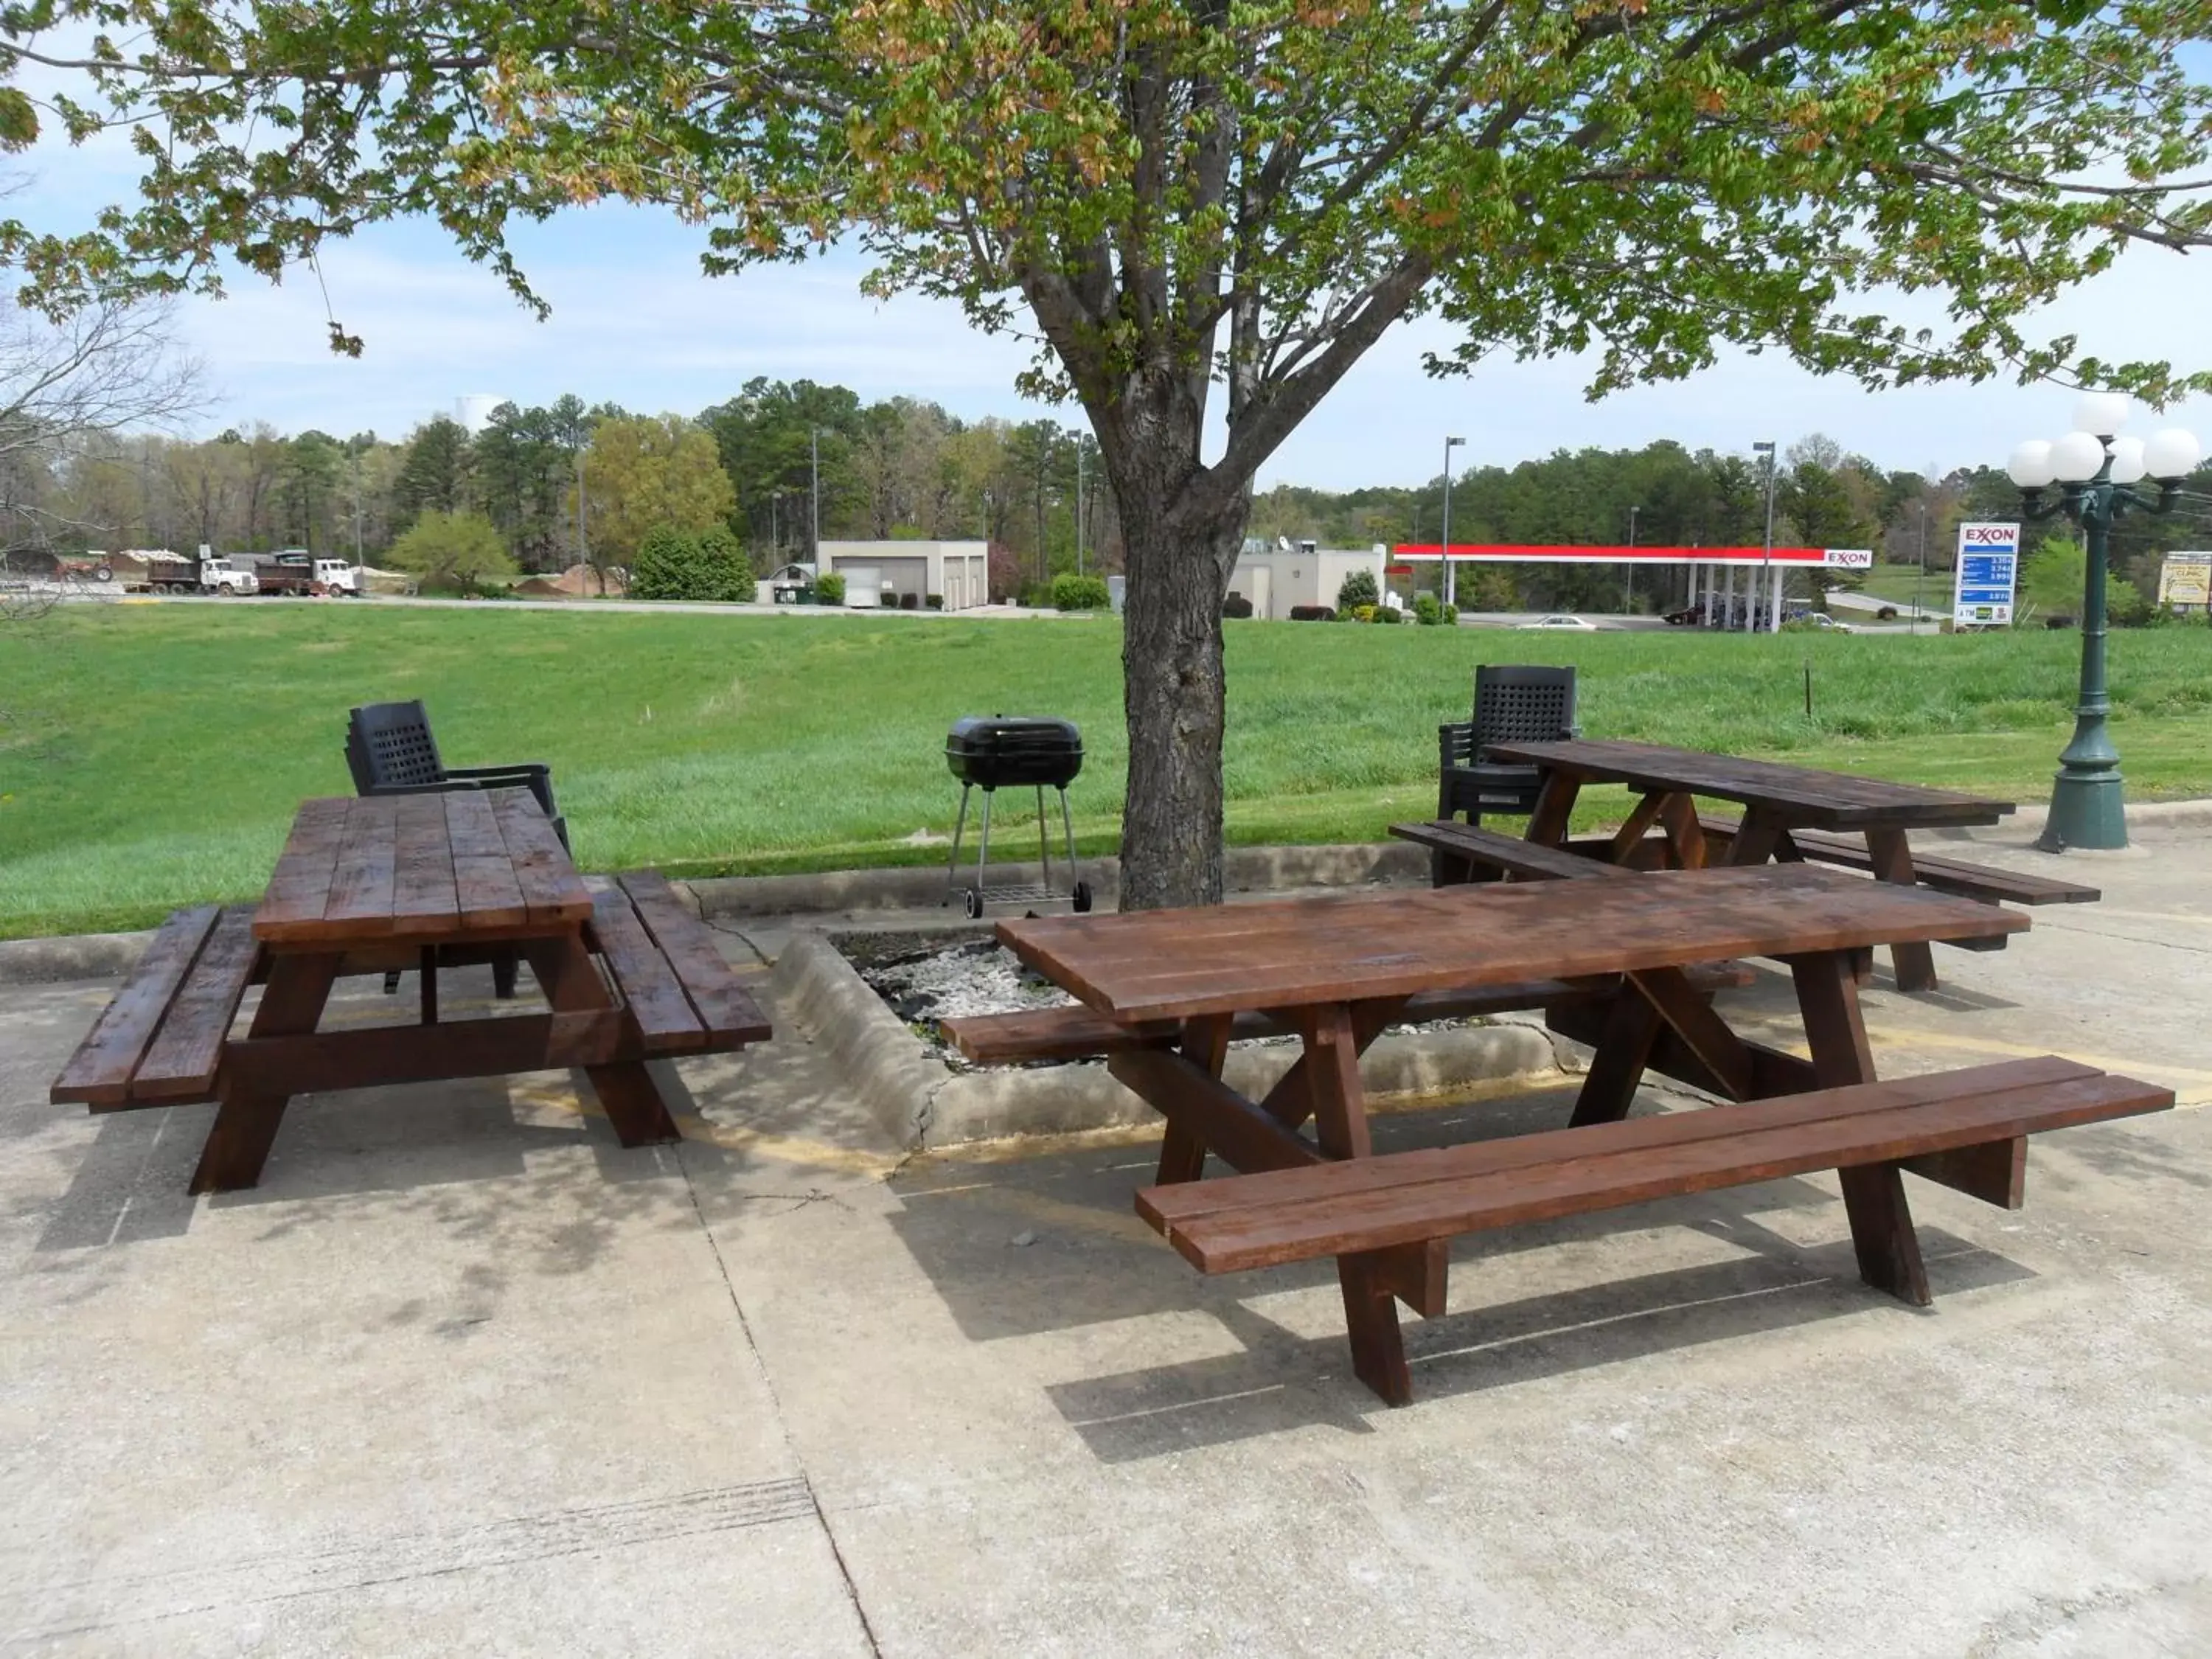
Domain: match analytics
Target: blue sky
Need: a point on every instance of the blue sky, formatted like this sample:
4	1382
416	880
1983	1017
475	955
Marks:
635	322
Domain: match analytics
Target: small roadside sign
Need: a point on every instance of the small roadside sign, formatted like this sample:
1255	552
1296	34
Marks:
2185	580
1986	576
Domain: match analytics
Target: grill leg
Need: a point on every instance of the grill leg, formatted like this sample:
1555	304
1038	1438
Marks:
983	842
1044	845
1067	828
953	863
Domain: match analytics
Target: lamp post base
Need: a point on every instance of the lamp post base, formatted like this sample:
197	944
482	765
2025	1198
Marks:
2086	811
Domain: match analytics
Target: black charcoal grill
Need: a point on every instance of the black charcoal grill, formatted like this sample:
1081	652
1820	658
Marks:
992	752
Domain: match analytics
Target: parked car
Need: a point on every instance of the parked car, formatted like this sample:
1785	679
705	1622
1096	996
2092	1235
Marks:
1575	623
792	585
1690	616
1819	621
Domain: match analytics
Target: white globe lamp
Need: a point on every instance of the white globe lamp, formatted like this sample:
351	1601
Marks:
2172	453
2127	461
2030	466
2077	456
2100	414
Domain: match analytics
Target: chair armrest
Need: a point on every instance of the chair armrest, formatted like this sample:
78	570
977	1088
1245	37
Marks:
535	769
533	775
1455	744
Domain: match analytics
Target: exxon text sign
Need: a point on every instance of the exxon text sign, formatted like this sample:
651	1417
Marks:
1986	576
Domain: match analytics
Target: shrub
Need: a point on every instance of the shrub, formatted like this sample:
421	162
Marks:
1388	613
909	601
1313	613
1036	596
1236	606
668	566
1073	592
457	551
1427	610
724	569
1358	589
935	601
829	588
1362	612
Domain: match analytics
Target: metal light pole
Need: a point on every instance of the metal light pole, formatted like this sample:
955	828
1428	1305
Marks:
814	443
2092	469
1079	459
1450	588
1766	553
1628	591
1920	581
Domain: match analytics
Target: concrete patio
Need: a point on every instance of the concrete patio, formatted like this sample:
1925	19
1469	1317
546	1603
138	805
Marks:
463	1375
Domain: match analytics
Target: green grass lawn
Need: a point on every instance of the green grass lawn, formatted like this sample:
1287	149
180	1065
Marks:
152	754
1897	583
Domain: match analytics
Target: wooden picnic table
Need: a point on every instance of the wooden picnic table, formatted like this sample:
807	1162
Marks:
367	886
1338	968
1778	800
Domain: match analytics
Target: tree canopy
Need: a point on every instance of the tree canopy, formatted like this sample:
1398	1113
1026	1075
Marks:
1182	193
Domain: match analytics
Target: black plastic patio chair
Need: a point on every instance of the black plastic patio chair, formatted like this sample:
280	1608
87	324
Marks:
390	752
1512	704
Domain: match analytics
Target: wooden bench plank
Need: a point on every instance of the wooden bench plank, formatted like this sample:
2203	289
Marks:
1576	1171
550	886
1937	872
654	1001
99	1072
1072	1031
1511	853
1166	1206
361	885
728	1013
486	892
182	1062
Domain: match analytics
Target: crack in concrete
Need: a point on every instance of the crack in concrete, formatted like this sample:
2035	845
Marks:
2046	1614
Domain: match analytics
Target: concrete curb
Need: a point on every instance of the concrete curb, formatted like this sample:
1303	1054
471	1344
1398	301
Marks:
79	956
921	1102
1245	869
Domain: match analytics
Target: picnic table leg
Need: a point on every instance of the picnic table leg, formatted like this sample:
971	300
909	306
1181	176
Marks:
626	1090
1206	1045
1623	1050
1371	1281
1892	862
1555	805
1873	1195
1678	816
247	1119
1756	839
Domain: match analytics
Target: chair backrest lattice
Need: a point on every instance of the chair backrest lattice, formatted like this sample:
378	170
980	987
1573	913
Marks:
1515	704
393	744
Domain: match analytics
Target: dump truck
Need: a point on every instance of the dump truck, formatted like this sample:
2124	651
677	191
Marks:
157	570
294	572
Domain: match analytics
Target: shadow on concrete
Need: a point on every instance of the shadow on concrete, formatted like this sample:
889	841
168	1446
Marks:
1053	1243
1280	1380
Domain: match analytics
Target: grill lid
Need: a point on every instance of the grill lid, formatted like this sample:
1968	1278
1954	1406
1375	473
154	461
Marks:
994	750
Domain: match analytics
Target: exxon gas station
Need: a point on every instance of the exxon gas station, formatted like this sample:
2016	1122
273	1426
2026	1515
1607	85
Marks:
1739	586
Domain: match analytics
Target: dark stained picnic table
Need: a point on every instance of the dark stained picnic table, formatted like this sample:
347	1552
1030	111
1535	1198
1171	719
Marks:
365	884
1338	969
1777	798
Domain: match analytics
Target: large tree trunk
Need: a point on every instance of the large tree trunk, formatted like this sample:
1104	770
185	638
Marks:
1174	691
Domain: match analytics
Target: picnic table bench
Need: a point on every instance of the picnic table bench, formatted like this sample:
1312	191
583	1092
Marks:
1792	813
367	886
1163	993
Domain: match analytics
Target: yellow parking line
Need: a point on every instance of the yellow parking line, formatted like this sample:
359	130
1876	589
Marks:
2179	1076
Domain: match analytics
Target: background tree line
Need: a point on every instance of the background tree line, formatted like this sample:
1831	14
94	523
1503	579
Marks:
569	483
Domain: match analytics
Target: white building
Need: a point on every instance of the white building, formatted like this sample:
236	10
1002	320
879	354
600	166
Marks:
879	573
1300	573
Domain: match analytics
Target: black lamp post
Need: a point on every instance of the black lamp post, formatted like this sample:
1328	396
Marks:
2093	470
